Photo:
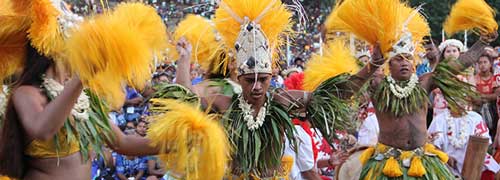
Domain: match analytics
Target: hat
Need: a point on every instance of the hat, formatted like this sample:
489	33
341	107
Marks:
252	30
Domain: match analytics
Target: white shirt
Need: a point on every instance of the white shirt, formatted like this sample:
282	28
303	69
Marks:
368	132
473	124
304	158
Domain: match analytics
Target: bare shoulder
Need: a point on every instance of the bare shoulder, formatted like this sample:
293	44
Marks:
27	94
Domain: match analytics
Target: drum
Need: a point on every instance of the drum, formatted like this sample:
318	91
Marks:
351	169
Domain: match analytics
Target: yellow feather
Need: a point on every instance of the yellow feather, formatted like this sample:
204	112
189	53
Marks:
366	155
377	21
12	37
337	59
44	32
470	14
392	168
190	142
201	34
275	22
112	49
417	168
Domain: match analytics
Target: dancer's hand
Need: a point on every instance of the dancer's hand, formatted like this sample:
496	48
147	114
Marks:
377	56
184	48
337	158
489	38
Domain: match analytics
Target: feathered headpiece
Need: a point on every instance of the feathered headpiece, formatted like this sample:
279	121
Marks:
52	25
190	142
252	29
116	48
15	21
337	59
471	14
391	23
200	32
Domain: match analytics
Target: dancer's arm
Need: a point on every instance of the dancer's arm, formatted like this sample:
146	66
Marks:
43	122
130	145
472	55
359	79
183	64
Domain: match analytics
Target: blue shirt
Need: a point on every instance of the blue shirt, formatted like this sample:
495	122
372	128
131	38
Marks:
132	93
130	168
423	68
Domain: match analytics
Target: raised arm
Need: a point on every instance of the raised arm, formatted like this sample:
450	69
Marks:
183	64
44	121
359	79
472	55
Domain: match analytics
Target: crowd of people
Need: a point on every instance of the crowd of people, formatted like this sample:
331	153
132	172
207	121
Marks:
322	112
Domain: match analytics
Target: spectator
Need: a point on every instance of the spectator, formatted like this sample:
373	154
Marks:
130	167
155	170
132	104
276	80
299	63
487	87
141	128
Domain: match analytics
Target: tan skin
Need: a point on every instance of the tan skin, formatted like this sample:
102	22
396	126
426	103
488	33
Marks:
255	89
410	129
42	119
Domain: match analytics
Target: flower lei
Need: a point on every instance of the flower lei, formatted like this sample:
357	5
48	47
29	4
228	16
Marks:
252	123
457	139
80	110
402	92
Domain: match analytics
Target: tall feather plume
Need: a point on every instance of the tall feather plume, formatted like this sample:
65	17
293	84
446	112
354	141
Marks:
274	20
378	21
15	22
190	142
337	59
113	49
200	32
471	15
44	32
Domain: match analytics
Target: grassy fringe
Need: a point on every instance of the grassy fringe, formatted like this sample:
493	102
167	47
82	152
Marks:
388	102
175	91
261	150
456	92
327	112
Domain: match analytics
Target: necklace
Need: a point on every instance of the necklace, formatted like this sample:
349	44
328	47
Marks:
402	92
252	123
457	135
80	110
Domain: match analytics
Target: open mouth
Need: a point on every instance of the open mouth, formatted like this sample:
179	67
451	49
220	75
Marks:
404	70
257	95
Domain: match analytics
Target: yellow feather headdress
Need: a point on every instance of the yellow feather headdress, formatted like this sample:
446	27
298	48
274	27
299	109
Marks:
270	18
471	14
115	48
382	22
191	142
14	22
337	59
200	32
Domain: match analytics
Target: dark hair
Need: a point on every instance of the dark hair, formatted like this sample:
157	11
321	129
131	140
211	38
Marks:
298	59
12	137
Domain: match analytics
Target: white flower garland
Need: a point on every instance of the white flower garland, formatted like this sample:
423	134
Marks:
457	136
80	110
252	123
399	91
